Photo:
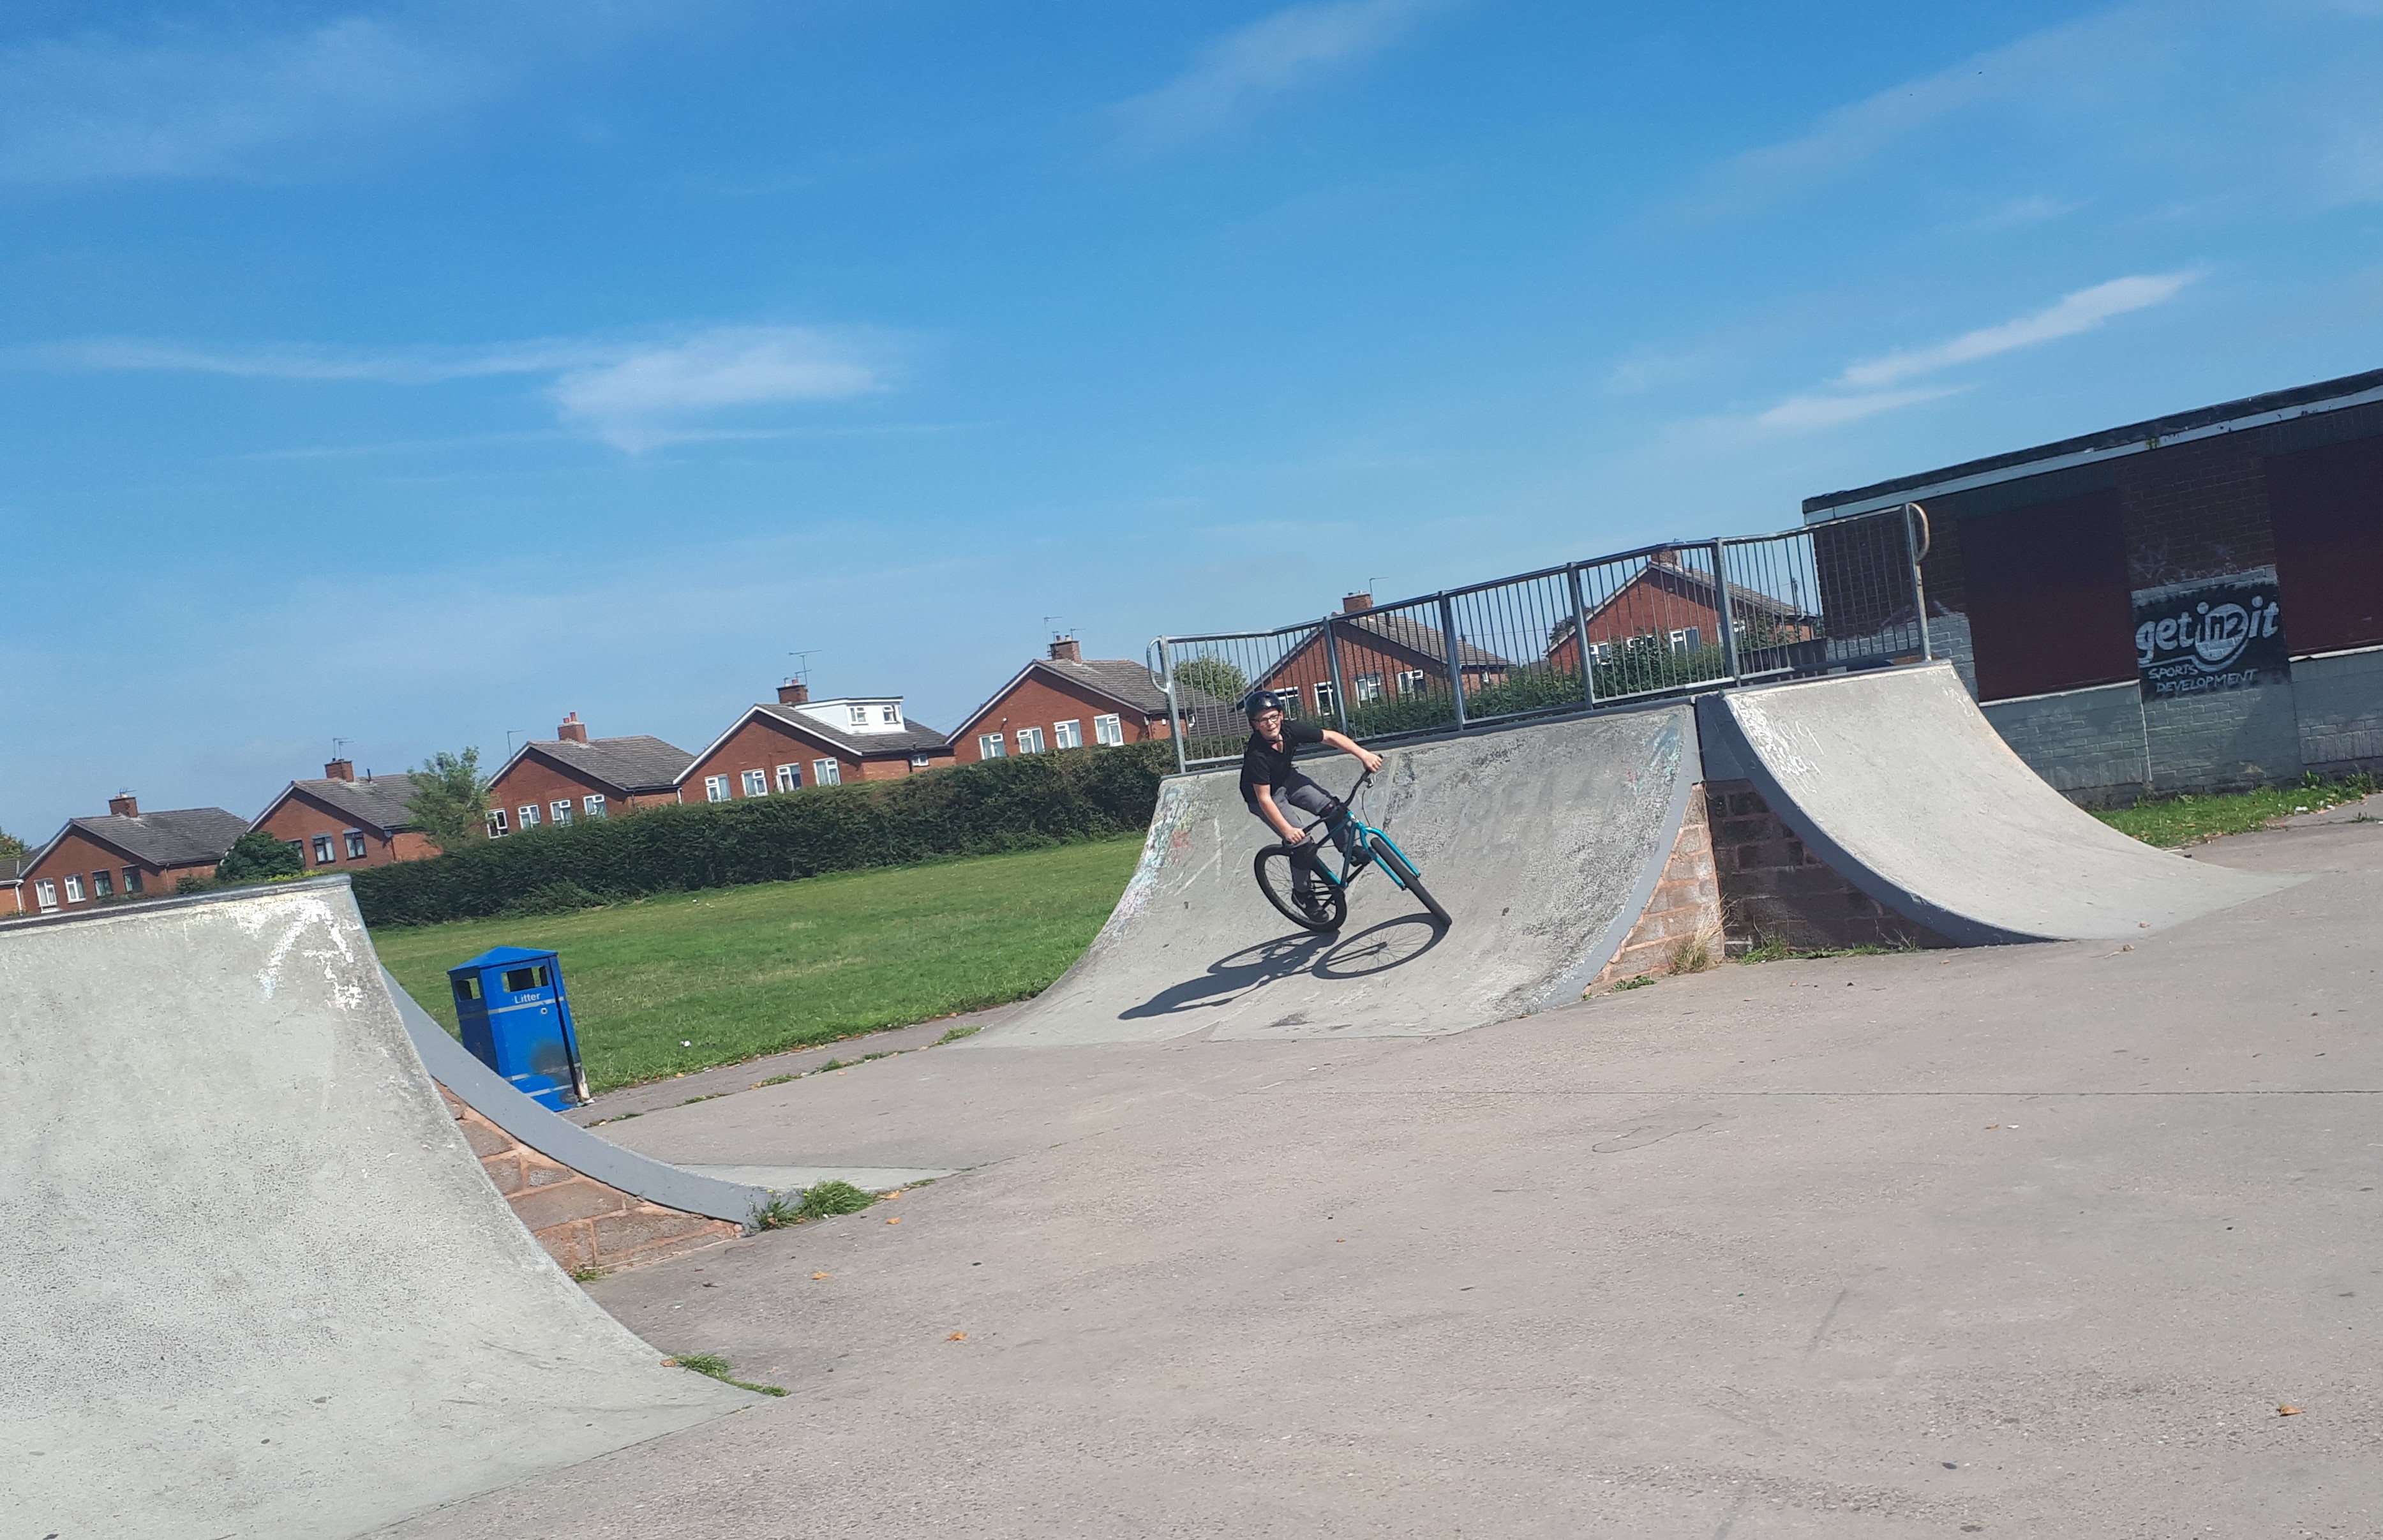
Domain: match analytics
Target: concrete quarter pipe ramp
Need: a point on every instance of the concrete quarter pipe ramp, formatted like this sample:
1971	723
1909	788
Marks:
1543	842
1897	781
256	1284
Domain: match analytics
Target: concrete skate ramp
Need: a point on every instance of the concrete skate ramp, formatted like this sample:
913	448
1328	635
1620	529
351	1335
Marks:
1897	781
1542	841
258	1285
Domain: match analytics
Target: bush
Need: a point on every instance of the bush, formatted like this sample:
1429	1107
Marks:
255	857
998	805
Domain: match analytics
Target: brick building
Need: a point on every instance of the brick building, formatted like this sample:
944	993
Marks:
340	821
574	776
798	742
126	853
12	885
1383	654
1669	604
2188	603
1062	701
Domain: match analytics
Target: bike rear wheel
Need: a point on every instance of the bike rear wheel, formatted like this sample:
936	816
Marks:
1404	873
1279	880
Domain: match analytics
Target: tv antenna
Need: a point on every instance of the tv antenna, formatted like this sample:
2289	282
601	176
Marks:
1047	627
338	746
802	662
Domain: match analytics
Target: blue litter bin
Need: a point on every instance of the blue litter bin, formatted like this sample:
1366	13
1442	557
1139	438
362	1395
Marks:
516	1019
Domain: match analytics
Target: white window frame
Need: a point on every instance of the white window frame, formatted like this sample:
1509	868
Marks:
1108	731
323	848
46	893
1688	638
595	805
1068	735
790	778
1324	697
826	772
558	812
499	824
859	715
1369	687
890	716
74	887
1600	652
756	782
990	746
1029	740
1411	682
715	788
355	840
922	761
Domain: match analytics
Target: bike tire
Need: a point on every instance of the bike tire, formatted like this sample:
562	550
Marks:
1277	875
1402	872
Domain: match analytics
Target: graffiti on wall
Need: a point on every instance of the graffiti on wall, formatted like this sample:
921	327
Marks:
2219	634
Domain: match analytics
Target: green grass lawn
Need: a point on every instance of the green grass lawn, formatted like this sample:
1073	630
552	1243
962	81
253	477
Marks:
2170	821
684	981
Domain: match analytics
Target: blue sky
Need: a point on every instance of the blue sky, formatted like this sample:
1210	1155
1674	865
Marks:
415	375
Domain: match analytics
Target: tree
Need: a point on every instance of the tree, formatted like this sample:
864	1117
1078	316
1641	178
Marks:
257	855
10	846
450	800
1212	677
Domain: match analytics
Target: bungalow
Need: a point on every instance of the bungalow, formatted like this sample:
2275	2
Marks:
126	852
1382	654
575	776
342	821
1674	608
799	742
1063	702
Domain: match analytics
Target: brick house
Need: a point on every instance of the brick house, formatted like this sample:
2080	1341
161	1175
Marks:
1670	605
340	821
126	852
796	742
12	885
1063	701
574	776
1382	654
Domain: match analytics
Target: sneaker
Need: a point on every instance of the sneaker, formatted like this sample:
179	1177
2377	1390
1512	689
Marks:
1314	899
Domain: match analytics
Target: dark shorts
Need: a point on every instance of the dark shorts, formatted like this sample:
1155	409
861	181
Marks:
1299	795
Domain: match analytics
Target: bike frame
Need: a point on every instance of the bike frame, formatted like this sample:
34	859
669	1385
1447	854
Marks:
1349	870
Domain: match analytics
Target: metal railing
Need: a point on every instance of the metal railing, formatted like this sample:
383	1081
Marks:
1665	620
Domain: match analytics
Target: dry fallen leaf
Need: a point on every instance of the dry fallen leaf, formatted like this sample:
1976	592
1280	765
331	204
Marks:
896	1220
956	1337
670	1364
816	1276
895	1193
2288	1411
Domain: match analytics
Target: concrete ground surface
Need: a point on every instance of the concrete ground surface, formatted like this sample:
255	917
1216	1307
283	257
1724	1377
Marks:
2029	1240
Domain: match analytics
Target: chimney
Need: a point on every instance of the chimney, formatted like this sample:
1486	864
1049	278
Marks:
1356	604
572	729
1066	650
340	769
793	692
123	805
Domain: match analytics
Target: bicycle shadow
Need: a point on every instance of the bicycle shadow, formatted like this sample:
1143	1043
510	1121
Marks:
1376	949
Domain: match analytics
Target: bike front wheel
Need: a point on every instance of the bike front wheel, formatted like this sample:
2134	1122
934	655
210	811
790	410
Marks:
1281	880
1404	873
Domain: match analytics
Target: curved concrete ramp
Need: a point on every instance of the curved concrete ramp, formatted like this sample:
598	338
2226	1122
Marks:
1897	781
1543	842
258	1284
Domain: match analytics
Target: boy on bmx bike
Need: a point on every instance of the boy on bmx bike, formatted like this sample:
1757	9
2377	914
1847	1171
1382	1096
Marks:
1273	787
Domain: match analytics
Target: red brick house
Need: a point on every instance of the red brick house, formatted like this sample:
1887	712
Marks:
340	821
1381	655
1676	608
1063	702
12	885
126	852
799	742
574	776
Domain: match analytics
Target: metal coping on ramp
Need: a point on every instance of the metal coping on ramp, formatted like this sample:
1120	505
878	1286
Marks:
1899	782
269	1290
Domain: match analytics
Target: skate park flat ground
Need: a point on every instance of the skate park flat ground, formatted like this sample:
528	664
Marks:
2024	1240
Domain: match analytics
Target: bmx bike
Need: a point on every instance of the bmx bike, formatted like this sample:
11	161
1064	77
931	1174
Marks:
1279	878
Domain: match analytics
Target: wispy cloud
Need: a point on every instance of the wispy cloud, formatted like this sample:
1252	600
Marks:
635	396
1278	54
2083	310
1809	414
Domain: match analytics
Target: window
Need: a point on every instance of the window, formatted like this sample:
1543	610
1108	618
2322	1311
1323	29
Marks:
789	777
1029	740
859	715
528	811
594	804
132	879
890	715
561	808
103	884
1600	652
1324	697
1410	681
1067	735
497	824
715	788
1687	639
756	783
297	848
921	761
826	772
1369	687
988	746
46	893
355	845
74	887
323	856
1108	730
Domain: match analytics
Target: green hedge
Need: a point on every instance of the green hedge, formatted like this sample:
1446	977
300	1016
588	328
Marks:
1033	799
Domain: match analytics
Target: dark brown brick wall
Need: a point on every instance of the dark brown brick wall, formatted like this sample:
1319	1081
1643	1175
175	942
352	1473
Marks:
1772	889
301	818
2194	510
1041	701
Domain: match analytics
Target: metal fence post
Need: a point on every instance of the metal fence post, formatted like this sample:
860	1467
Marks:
1455	658
1728	621
1174	710
1580	637
1918	546
1332	661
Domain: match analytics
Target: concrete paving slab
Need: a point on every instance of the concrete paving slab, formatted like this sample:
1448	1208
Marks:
2025	1241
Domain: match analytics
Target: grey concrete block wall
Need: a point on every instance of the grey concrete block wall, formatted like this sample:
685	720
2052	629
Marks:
2340	703
1948	637
2088	745
2224	740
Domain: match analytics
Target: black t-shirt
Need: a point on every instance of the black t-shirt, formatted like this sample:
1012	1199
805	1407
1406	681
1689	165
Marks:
1265	767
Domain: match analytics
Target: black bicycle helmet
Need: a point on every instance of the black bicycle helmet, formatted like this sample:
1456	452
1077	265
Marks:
1263	700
